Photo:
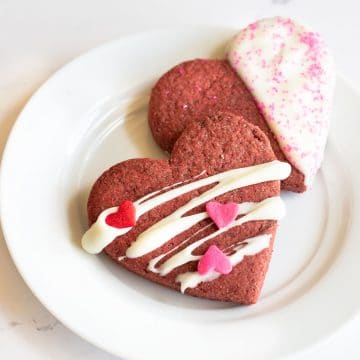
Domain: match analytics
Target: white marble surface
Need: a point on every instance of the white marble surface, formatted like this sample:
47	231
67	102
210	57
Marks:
37	37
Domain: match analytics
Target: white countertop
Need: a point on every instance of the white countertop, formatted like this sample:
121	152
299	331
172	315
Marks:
37	37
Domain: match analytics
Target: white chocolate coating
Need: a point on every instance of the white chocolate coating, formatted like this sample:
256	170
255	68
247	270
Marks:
290	72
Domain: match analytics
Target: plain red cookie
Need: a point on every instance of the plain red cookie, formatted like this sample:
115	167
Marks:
194	89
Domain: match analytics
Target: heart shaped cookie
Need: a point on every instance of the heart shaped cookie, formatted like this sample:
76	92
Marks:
221	158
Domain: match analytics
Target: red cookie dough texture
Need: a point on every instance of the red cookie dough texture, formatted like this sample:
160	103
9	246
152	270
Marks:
194	89
214	144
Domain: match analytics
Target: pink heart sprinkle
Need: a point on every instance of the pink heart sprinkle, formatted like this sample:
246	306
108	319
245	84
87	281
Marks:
222	214
214	259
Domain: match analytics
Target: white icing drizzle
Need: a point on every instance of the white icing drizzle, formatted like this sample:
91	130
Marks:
252	246
100	234
244	208
268	209
153	262
174	224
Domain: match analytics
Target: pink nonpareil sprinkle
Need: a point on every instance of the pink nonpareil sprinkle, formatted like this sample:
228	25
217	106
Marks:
310	38
271	107
253	26
261	106
315	71
276	79
292	73
287	148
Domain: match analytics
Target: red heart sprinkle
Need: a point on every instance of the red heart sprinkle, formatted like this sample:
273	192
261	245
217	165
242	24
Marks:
124	217
214	259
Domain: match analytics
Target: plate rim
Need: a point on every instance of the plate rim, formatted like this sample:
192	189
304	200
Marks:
18	123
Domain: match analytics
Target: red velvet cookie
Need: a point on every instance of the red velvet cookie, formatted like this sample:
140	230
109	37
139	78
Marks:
194	89
220	158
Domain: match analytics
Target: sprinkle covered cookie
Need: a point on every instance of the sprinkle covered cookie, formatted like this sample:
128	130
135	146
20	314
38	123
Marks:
202	222
279	76
290	72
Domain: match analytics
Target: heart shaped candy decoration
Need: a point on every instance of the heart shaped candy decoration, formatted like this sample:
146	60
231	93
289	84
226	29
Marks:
290	72
124	217
214	260
222	214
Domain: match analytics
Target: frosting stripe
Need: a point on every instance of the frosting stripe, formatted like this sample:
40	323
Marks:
268	209
253	246
174	224
100	234
153	262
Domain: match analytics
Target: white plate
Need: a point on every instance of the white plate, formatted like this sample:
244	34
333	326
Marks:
92	114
